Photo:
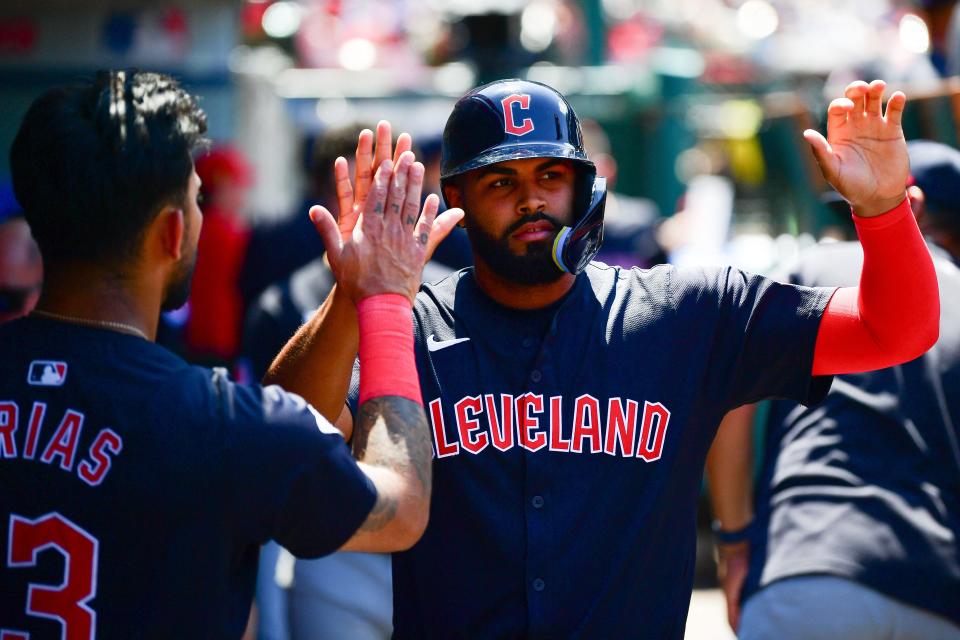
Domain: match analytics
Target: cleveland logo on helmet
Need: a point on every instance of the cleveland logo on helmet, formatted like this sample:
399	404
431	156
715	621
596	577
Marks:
509	124
512	119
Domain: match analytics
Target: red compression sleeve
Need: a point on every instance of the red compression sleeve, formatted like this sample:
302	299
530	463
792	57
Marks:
387	365
894	315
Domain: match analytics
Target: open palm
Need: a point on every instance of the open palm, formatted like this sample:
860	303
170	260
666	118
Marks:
384	247
352	195
370	154
864	155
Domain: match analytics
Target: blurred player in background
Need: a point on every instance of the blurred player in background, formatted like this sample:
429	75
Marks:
855	529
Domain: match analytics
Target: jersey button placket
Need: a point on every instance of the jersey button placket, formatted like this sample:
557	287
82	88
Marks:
539	524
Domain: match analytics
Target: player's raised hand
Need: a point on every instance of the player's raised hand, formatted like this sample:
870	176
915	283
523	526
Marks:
864	155
352	195
385	250
370	154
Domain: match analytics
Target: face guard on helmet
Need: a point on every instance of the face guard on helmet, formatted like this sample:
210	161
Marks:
514	119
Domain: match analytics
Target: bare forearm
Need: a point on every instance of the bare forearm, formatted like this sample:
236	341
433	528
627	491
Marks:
317	361
391	442
730	469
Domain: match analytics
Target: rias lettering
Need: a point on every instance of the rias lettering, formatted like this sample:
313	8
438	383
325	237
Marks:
60	448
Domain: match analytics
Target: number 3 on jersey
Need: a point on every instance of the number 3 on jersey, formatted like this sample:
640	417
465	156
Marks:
66	602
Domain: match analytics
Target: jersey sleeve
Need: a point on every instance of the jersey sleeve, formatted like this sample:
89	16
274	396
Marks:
291	476
762	334
353	394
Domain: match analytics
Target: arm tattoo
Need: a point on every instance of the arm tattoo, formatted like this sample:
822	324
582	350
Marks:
392	432
384	510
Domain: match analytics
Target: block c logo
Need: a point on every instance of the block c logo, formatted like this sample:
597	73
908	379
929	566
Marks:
522	100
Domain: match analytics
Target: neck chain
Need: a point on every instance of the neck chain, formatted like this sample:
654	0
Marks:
103	324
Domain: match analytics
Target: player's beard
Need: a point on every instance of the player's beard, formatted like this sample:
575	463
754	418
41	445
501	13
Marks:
534	267
178	290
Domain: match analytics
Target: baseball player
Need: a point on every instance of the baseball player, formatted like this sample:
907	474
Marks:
572	404
137	489
857	525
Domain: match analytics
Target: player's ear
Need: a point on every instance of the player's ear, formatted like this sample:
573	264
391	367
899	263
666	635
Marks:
454	199
171	228
451	193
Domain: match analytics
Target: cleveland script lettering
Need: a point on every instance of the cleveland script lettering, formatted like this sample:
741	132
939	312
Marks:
617	427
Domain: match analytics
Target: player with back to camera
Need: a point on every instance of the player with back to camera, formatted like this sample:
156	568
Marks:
855	529
572	404
137	489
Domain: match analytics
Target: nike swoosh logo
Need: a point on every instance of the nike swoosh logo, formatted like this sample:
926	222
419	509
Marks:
435	345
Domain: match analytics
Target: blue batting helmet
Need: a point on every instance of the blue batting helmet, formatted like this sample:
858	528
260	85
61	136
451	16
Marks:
514	119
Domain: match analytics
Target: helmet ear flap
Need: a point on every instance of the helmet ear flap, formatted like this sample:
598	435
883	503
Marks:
574	247
584	185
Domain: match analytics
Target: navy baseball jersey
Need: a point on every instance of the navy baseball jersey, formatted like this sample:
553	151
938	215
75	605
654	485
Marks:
866	485
137	489
570	444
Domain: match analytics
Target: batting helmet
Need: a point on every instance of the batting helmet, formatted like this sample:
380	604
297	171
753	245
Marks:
513	119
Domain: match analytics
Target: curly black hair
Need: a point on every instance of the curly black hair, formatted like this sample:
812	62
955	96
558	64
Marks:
93	164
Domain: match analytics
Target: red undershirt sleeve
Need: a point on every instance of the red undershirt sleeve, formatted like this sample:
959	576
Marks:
894	315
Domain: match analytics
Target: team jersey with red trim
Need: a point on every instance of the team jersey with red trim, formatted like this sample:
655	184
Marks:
137	489
866	486
570	444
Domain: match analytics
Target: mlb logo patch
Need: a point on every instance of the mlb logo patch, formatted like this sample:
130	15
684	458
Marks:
47	373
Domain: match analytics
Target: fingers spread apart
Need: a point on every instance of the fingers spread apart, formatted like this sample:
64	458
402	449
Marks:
863	101
866	100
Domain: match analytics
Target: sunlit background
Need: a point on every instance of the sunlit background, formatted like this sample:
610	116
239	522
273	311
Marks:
682	87
703	101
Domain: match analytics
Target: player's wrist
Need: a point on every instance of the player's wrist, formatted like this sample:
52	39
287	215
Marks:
387	363
379	282
902	211
384	299
731	537
878	207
